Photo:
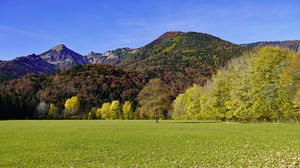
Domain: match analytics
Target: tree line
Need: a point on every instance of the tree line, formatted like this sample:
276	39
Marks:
85	92
259	86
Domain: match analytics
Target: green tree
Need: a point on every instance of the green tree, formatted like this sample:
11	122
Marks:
93	114
269	89
53	112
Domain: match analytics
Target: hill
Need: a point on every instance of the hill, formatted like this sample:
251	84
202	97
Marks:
182	59
293	45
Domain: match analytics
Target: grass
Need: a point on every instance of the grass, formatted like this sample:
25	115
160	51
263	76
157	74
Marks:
146	144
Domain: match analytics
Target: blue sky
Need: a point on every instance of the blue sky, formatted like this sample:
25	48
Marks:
34	26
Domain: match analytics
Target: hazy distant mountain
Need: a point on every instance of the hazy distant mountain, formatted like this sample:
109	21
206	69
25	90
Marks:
62	57
25	65
293	45
182	59
112	57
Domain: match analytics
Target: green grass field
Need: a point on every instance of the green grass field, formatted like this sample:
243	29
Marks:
146	144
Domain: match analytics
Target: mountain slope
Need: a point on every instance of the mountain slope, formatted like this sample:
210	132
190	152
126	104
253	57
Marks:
25	65
293	45
112	57
62	57
181	59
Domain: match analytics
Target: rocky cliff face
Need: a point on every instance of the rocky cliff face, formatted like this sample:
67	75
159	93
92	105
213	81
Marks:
112	57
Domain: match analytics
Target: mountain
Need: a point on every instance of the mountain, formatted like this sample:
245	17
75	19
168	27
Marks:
112	57
59	57
25	65
293	45
62	57
182	59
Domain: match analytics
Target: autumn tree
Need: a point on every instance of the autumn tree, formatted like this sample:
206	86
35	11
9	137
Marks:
103	112
72	106
257	86
115	110
127	110
155	100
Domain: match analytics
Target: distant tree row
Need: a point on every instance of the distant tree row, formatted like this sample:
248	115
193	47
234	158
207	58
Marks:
34	97
263	85
92	84
154	102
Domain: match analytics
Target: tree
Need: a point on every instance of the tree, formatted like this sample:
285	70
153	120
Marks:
42	110
92	114
103	112
192	105
155	100
128	111
53	112
115	110
179	107
72	106
187	105
269	91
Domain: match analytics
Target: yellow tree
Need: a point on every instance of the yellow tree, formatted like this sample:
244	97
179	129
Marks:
127	111
103	112
114	110
72	107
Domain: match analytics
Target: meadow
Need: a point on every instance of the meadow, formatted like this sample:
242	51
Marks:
102	143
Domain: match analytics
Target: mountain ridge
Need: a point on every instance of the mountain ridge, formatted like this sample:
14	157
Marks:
62	57
190	48
293	45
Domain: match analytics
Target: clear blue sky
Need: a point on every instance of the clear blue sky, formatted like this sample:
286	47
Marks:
34	26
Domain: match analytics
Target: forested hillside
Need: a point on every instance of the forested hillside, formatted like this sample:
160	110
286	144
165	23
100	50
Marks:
182	59
93	85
